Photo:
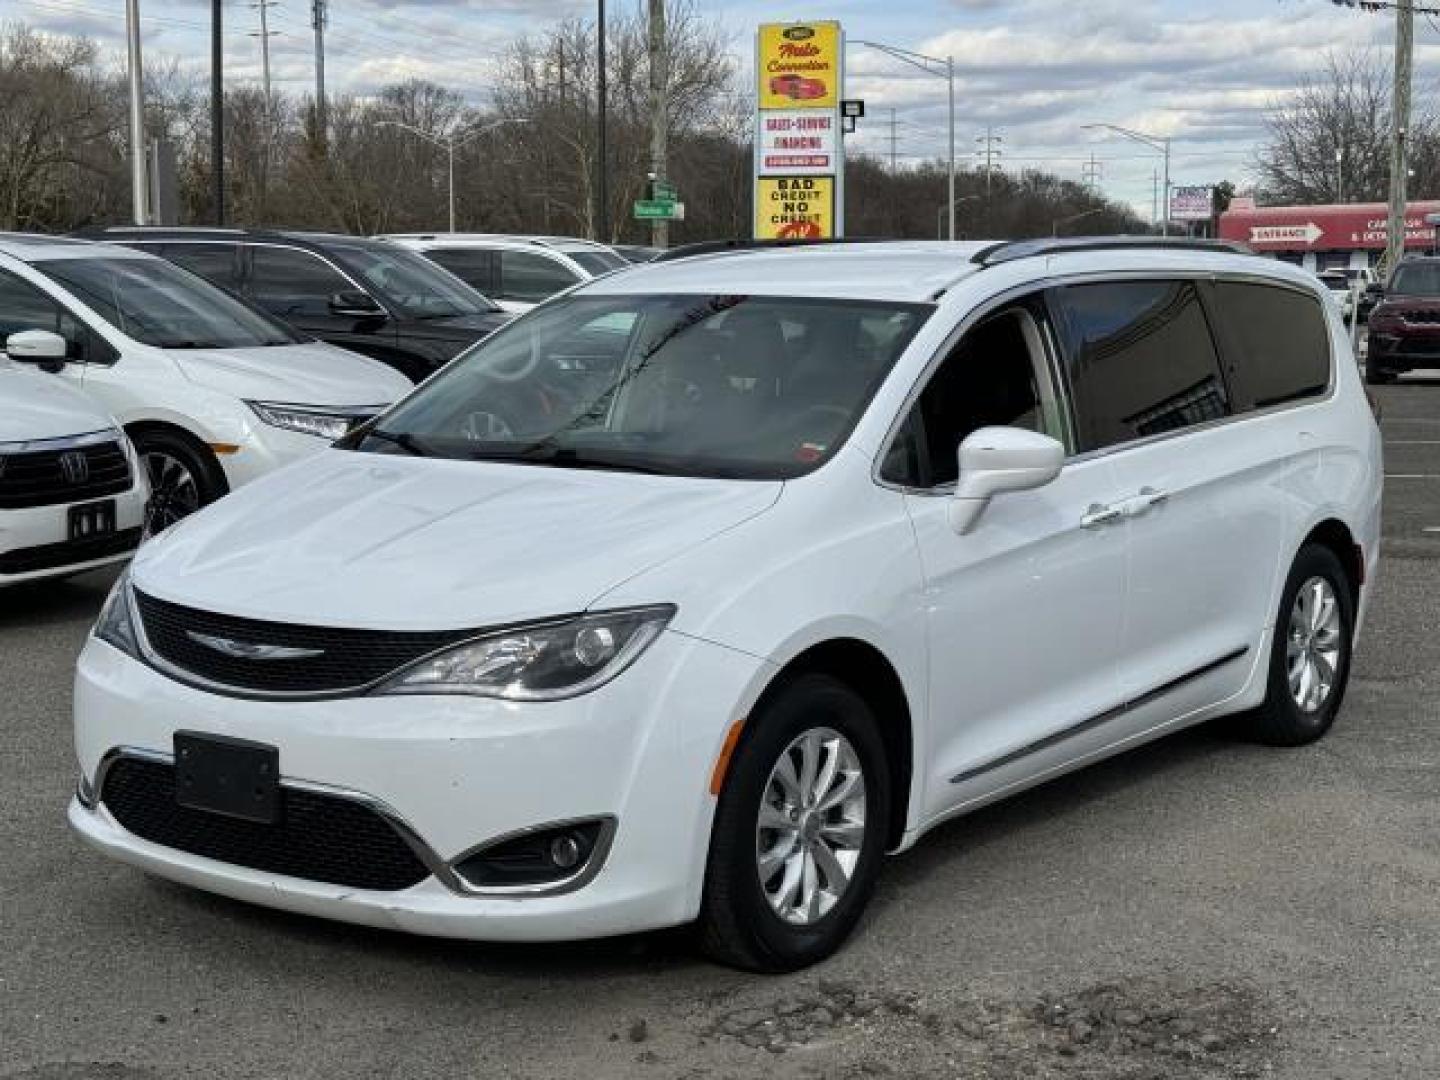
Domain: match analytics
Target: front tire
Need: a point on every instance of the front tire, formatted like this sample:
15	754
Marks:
183	478
800	830
1310	653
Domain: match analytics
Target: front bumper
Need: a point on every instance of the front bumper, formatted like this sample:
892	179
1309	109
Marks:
459	772
37	535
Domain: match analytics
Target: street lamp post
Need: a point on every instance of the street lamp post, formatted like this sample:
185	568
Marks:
944	67
940	213
450	144
139	185
1155	142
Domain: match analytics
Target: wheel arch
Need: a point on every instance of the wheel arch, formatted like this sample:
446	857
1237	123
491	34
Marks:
137	428
866	670
1334	534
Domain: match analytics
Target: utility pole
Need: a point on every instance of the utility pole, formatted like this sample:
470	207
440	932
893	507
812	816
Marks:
894	138
991	151
217	111
659	112
319	19
1092	171
1155	197
1399	165
139	185
265	34
602	153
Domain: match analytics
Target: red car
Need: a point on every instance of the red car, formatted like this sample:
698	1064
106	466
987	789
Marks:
797	87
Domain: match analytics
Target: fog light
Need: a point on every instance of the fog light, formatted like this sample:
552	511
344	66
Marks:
565	852
538	857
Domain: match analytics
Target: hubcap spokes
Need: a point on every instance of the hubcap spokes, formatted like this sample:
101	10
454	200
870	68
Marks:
174	493
1313	645
811	826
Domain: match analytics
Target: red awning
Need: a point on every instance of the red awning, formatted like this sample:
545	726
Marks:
1349	227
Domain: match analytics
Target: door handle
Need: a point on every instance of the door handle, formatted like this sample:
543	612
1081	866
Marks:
1147	499
1099	515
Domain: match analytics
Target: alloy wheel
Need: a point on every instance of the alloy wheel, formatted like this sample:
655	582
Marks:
1314	645
174	492
811	826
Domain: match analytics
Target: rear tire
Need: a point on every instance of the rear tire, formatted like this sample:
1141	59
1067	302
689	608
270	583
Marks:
1378	376
774	901
1310	654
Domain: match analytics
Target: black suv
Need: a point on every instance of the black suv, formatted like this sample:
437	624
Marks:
1405	324
365	295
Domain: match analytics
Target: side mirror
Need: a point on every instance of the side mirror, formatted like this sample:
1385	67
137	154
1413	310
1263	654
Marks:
999	459
43	348
356	304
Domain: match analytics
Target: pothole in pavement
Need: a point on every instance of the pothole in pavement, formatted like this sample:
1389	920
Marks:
1130	1030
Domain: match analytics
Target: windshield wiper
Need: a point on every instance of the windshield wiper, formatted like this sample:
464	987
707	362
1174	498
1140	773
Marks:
402	439
188	344
565	457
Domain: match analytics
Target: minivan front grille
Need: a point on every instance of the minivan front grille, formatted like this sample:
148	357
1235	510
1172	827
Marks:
50	477
1429	317
326	660
319	837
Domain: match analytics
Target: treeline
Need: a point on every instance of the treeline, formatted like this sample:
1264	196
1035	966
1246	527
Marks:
63	148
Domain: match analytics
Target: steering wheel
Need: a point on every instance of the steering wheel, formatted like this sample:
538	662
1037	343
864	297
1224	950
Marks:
482	426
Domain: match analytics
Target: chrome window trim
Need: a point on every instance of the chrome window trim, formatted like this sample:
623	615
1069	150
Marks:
90	794
1045	283
245	277
65	442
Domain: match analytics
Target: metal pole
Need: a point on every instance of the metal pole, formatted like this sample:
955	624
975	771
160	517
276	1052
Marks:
659	110
1404	63
264	36
1165	201
318	18
139	185
217	111
950	78
602	183
450	145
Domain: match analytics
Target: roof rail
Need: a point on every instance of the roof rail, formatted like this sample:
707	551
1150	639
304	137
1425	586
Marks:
720	247
1010	250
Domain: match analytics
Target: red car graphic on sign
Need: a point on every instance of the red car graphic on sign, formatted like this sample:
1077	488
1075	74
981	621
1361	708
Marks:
797	87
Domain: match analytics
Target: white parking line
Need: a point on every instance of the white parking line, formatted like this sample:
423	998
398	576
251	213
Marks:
1431	529
1413	442
1411	476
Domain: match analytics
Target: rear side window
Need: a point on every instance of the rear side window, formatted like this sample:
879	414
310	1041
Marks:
292	283
531	278
1279	344
1140	360
216	263
474	266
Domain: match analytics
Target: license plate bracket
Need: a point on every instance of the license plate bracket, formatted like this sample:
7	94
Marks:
91	521
223	775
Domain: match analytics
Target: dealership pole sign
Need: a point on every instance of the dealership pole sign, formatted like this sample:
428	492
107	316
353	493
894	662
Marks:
1192	203
799	157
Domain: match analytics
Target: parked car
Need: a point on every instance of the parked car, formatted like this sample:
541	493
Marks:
363	295
212	392
636	253
847	541
1405	322
517	272
72	493
1350	287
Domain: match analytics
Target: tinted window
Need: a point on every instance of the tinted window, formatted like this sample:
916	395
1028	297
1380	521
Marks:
216	263
987	380
1140	360
596	263
294	284
153	302
24	307
1416	279
406	280
531	278
1280	341
474	266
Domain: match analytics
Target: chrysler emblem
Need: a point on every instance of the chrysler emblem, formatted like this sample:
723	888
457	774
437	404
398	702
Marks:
249	650
76	466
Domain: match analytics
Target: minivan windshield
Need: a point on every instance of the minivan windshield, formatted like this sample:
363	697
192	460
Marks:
1416	279
409	282
157	303
746	387
596	263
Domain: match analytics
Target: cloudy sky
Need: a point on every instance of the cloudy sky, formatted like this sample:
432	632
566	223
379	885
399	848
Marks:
1034	71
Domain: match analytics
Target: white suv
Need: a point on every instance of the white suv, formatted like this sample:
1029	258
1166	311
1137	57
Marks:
841	542
72	495
517	272
212	391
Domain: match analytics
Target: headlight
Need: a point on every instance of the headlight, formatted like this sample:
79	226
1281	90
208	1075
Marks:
116	624
307	420
540	662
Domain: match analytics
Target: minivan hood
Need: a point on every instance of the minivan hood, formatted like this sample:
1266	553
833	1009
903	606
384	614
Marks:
375	541
311	373
37	405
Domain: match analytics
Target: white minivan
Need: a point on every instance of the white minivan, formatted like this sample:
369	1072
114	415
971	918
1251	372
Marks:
72	494
831	545
212	391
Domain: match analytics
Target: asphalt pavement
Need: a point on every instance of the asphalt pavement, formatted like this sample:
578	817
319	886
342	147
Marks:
1199	908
